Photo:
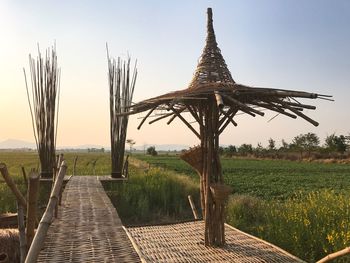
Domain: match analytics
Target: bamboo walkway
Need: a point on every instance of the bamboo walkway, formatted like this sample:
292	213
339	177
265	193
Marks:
88	228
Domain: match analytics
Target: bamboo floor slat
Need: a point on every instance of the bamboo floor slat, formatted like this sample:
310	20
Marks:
88	228
183	242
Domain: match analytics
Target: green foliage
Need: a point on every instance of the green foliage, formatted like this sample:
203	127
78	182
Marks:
336	143
309	225
306	142
156	196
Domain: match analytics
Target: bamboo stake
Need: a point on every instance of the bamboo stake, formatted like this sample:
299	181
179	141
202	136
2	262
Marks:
193	207
11	184
332	256
24	174
32	197
46	219
21	231
75	164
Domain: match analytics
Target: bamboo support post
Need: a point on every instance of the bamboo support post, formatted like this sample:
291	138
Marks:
32	197
21	232
335	255
193	207
46	219
12	185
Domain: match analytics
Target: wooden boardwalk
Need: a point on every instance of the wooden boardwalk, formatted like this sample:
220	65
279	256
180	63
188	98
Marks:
88	228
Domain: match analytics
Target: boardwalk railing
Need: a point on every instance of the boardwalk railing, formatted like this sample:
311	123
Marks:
46	219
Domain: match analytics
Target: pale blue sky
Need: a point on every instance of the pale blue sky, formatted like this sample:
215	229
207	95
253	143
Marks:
302	45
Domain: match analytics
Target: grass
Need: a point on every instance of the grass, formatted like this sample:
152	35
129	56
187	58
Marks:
156	196
14	160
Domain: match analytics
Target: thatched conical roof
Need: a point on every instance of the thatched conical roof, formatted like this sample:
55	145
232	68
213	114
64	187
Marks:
212	67
212	80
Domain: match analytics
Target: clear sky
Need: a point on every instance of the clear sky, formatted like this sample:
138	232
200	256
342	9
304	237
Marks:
301	45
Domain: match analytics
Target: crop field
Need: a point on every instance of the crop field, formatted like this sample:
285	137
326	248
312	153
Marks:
14	160
303	207
268	179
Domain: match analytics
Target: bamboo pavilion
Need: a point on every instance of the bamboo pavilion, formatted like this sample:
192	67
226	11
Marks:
213	99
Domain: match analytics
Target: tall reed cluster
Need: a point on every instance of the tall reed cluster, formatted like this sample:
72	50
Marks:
43	97
121	90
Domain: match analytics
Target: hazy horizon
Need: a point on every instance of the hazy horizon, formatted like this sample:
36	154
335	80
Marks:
277	44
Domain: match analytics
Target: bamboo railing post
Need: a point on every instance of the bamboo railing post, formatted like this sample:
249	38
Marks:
32	198
75	164
22	234
12	185
335	255
46	219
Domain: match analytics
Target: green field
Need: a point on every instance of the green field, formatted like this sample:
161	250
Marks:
302	207
267	179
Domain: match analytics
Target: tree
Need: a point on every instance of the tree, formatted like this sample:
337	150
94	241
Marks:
152	151
245	149
285	145
336	143
272	144
131	143
306	142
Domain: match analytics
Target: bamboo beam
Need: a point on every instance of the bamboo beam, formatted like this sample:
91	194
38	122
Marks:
332	256
173	117
185	122
11	184
315	123
21	232
161	117
274	107
228	121
147	115
219	101
32	197
242	106
46	219
305	106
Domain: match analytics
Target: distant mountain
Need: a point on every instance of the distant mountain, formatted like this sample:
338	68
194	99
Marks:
16	144
20	144
162	147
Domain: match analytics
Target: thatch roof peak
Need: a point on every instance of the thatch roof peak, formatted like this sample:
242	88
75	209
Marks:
212	67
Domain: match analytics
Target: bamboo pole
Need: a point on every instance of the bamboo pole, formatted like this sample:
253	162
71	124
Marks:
193	207
46	220
25	179
335	255
22	234
32	197
12	185
75	164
